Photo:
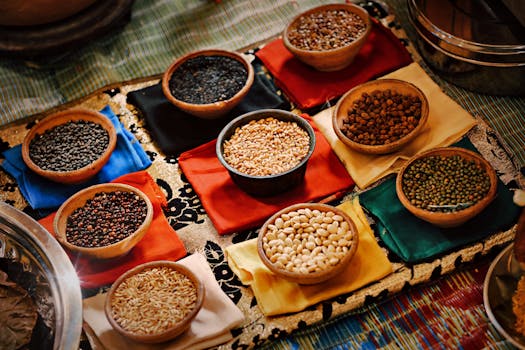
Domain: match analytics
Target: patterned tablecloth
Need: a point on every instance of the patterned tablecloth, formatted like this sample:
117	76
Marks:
444	312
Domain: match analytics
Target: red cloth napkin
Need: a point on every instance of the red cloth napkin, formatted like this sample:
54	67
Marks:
159	243
307	87
231	210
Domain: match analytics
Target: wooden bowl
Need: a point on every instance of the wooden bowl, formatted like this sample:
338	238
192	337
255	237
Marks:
331	59
79	200
348	99
76	114
171	332
209	110
269	185
325	271
458	217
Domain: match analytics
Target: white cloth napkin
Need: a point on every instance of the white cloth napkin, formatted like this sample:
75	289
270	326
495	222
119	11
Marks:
210	327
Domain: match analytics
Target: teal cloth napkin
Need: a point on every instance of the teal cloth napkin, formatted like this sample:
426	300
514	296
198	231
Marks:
414	240
43	194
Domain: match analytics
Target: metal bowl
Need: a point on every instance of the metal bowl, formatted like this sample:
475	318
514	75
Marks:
35	261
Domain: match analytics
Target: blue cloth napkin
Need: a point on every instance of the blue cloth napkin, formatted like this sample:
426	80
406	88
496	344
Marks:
41	193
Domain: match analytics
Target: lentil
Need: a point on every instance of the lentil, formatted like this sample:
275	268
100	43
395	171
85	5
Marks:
381	117
326	30
69	146
107	218
208	79
266	146
153	300
445	184
307	241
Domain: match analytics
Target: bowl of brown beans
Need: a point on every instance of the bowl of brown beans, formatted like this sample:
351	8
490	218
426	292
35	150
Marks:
103	221
328	37
266	152
208	83
154	302
446	186
380	116
69	147
308	243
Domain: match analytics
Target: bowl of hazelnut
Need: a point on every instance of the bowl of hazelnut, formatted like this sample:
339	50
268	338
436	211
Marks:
208	83
266	152
328	37
103	221
307	243
446	186
69	147
380	116
154	302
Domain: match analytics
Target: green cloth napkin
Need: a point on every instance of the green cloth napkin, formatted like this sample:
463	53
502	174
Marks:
414	240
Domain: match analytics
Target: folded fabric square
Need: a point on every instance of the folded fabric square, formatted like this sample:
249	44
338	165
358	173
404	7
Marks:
41	193
414	240
210	327
175	131
231	210
447	123
159	243
307	87
276	295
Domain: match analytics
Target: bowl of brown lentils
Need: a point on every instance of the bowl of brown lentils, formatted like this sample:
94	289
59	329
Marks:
446	186
208	83
380	116
69	147
328	37
154	302
103	221
266	152
308	243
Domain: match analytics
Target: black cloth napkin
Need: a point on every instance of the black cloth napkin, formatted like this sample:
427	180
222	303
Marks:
175	131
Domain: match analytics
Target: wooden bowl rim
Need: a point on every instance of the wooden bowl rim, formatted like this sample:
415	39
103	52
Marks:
72	114
207	107
262	114
175	330
380	84
89	193
441	218
358	10
314	277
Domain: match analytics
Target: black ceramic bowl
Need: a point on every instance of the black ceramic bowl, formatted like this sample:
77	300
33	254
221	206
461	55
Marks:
264	186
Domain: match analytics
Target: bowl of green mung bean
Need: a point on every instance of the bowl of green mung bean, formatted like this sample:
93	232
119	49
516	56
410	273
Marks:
446	186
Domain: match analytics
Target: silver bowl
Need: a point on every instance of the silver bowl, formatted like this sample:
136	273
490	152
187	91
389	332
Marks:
33	259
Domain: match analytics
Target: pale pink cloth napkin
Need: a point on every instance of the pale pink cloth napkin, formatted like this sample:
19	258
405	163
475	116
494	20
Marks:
210	327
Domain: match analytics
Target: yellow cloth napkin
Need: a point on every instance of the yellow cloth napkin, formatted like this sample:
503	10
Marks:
210	327
279	296
447	123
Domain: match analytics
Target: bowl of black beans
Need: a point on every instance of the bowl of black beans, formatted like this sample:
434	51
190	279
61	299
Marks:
380	116
69	147
103	221
208	83
446	186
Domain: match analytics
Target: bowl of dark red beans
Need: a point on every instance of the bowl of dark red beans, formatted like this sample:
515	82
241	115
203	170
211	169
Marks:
208	83
380	116
266	151
446	186
69	147
328	37
103	221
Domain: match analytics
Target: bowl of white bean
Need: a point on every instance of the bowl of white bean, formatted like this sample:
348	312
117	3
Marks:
308	243
266	151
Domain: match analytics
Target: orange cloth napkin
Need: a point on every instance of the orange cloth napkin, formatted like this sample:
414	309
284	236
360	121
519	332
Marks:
210	327
159	243
231	210
307	87
276	295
